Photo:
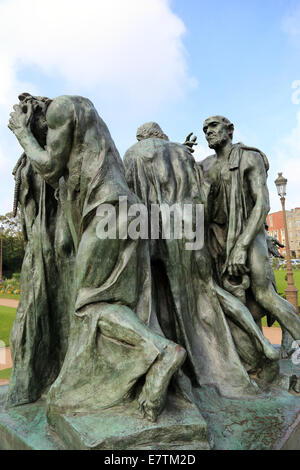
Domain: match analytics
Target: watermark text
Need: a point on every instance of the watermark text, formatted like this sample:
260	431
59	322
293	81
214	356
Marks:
158	221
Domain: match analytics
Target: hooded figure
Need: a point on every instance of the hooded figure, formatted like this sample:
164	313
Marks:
40	332
187	302
110	344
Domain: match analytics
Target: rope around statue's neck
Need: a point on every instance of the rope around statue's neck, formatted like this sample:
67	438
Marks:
17	173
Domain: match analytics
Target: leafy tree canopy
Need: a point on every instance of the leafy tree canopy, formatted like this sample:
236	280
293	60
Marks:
12	243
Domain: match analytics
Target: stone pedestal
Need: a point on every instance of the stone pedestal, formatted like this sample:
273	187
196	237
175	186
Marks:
180	427
25	427
270	420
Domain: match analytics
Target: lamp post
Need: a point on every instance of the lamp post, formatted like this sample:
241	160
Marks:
291	291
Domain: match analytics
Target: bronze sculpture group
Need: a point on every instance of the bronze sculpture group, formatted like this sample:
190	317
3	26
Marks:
107	321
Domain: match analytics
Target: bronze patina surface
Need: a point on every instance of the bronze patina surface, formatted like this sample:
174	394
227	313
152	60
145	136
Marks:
142	341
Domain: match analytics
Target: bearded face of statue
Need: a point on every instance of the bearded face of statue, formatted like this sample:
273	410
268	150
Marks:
217	132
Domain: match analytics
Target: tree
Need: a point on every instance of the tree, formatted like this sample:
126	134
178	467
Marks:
12	243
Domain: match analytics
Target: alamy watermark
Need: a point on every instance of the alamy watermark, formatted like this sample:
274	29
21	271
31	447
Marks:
158	221
296	93
296	354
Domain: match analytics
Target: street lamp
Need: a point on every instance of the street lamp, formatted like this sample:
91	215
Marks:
291	292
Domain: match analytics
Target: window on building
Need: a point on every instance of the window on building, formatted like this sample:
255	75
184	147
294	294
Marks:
298	223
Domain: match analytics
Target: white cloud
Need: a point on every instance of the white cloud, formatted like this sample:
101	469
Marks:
287	161
291	23
287	150
6	192
131	47
126	55
4	162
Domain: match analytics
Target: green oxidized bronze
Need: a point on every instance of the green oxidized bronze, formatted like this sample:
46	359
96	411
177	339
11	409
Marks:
141	342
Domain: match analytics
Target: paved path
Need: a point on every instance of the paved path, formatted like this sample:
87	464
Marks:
9	303
5	363
5	358
273	334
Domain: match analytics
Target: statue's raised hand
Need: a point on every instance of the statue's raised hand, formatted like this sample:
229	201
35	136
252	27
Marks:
189	143
20	118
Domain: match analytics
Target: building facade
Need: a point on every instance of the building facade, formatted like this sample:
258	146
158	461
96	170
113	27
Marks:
276	229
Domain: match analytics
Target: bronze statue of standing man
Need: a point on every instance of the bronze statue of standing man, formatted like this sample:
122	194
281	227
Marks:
238	205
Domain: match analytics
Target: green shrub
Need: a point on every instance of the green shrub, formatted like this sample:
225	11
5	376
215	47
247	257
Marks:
10	286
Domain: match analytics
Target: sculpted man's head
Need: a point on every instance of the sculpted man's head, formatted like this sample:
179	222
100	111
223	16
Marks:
218	131
150	130
38	123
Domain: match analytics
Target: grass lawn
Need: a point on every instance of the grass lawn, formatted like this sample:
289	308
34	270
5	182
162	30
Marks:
10	296
7	316
264	323
282	283
5	374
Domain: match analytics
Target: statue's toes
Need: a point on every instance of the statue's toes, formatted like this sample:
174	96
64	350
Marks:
141	409
151	414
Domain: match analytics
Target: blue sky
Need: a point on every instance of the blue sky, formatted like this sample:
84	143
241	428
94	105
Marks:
175	62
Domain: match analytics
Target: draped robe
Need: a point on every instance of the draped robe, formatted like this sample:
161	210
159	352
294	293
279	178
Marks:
111	276
40	331
186	299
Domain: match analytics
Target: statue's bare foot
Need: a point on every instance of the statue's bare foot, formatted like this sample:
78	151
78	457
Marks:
269	371
153	395
268	350
271	353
